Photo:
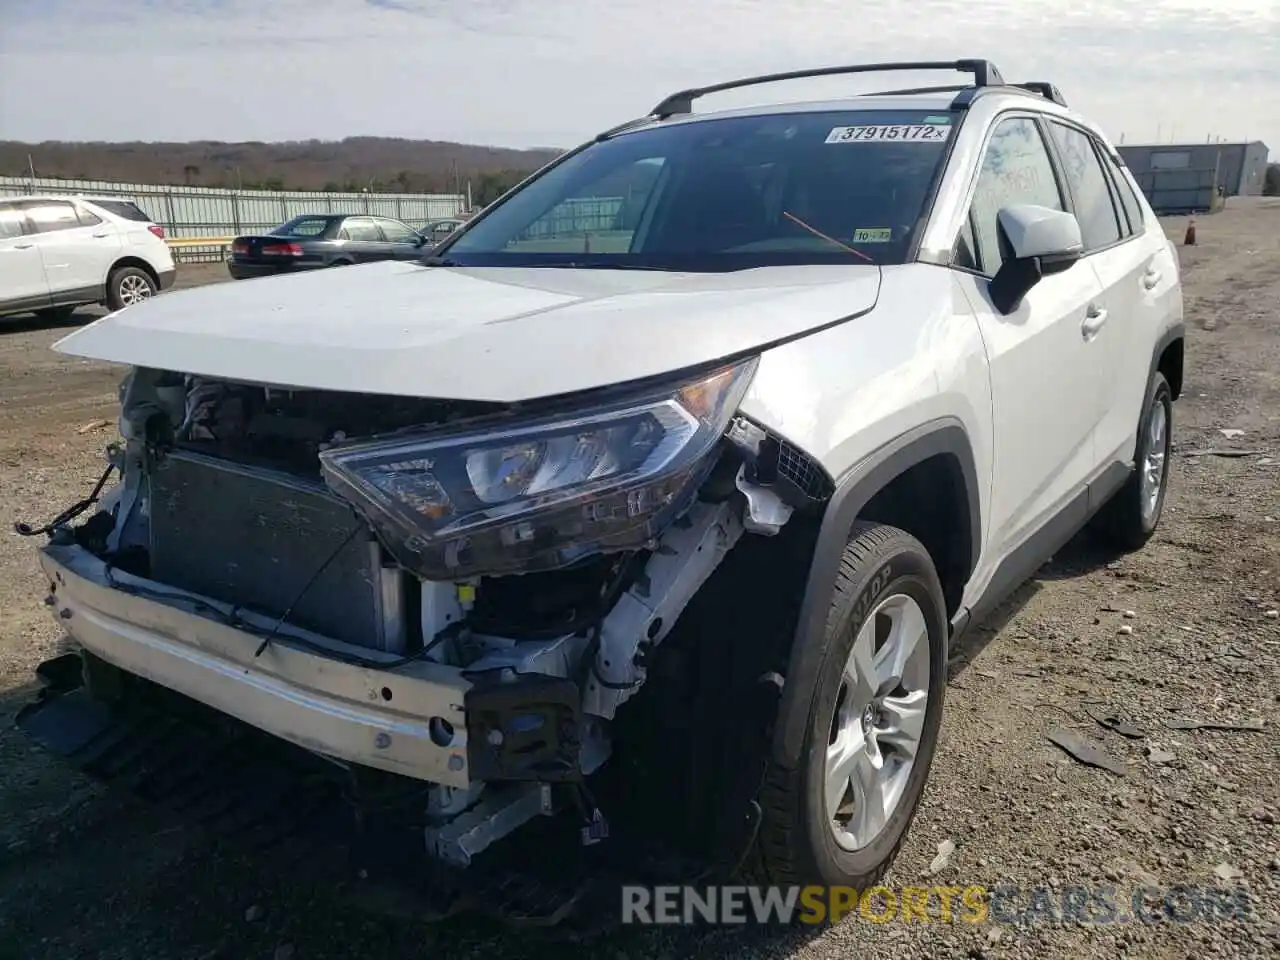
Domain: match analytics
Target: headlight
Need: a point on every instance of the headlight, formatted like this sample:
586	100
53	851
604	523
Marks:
539	494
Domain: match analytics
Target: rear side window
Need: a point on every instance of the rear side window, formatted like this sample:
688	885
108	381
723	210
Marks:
50	216
1094	208
124	210
1129	199
87	218
10	222
303	227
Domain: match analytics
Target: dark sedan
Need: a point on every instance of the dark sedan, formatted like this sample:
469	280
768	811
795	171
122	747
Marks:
321	240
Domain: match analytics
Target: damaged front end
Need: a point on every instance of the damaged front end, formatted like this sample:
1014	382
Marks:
455	596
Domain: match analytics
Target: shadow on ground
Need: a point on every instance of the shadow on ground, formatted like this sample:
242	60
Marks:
1082	555
30	323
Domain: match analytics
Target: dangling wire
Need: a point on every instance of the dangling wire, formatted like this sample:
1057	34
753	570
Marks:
69	514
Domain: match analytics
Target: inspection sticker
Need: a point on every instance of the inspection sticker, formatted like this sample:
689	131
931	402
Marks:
873	235
877	133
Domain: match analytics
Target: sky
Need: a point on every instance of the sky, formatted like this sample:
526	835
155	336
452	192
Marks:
526	73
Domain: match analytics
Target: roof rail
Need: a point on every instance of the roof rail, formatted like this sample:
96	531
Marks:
911	91
1044	89
984	73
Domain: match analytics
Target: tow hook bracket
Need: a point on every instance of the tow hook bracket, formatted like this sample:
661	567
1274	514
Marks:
525	728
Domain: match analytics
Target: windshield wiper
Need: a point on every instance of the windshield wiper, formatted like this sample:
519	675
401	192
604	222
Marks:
818	233
439	262
613	266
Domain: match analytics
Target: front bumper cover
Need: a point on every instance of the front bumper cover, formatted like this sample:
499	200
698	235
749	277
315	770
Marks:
409	720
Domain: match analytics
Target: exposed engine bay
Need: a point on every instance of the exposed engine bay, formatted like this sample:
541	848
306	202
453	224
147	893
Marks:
283	512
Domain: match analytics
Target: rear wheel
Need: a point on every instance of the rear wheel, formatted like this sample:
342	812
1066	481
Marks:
841	816
1130	518
129	285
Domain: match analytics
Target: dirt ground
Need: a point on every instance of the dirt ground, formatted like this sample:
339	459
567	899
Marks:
1181	629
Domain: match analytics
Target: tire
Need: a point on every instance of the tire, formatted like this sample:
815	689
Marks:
1131	516
884	575
56	314
129	285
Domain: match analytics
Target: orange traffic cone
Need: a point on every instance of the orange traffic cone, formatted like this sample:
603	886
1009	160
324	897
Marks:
1190	239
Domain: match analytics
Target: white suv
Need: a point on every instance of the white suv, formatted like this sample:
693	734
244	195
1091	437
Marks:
656	496
61	252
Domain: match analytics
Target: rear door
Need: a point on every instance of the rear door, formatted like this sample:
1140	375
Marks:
364	240
403	242
1118	259
22	282
1126	257
76	246
1045	387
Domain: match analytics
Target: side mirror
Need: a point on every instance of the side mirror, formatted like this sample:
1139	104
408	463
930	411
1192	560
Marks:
1037	242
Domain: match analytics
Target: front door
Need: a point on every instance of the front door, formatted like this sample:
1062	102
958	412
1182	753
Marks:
1045	382
364	240
403	242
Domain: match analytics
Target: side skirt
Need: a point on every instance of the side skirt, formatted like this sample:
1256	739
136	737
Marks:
1023	562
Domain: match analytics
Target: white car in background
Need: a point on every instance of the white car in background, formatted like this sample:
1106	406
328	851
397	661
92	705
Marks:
62	252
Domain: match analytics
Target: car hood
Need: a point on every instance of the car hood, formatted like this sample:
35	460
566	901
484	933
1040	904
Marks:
491	334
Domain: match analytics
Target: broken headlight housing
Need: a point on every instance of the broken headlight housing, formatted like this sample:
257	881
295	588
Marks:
521	496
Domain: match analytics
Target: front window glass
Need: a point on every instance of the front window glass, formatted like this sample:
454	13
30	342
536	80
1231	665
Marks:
726	194
1015	170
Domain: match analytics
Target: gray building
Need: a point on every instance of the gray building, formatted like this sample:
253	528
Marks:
1183	178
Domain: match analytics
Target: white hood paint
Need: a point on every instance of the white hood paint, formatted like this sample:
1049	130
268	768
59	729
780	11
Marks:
495	334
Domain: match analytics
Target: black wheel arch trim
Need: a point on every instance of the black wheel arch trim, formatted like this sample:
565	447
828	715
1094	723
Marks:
1176	332
853	492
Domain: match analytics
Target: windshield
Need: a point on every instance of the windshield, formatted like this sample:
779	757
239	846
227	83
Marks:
304	227
727	194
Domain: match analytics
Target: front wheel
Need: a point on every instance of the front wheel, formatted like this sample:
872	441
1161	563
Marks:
127	286
841	816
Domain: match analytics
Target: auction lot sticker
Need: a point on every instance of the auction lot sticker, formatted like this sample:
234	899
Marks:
898	132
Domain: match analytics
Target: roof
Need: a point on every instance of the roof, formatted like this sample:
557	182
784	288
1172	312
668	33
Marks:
91	198
937	101
987	81
1189	146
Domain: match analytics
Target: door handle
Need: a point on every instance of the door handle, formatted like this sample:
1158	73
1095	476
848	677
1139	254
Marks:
101	235
1093	321
1151	278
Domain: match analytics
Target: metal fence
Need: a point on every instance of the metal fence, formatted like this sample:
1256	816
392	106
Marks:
191	212
1174	192
576	216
